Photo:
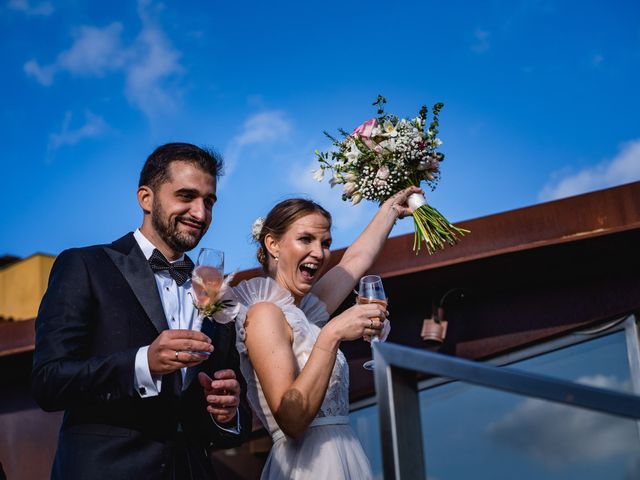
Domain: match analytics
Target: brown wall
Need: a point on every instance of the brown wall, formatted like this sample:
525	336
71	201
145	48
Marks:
28	436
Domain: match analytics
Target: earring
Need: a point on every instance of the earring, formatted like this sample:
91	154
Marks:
275	258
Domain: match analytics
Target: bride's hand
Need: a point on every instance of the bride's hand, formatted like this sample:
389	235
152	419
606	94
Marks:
398	201
358	321
384	332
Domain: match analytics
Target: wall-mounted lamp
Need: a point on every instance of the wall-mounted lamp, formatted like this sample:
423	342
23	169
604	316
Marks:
434	329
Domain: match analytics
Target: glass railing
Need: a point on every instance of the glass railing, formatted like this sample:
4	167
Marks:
519	420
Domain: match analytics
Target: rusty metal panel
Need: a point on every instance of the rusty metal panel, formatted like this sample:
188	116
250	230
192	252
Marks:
16	337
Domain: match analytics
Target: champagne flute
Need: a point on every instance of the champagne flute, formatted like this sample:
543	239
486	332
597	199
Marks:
206	278
209	257
371	291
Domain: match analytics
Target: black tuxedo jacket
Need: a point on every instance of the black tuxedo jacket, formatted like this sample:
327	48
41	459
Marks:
102	304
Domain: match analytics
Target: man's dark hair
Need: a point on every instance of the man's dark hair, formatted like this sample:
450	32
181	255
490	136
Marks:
155	171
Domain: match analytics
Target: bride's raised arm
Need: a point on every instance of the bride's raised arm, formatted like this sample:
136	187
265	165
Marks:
335	285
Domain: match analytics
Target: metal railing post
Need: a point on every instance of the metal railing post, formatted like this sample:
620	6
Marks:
400	426
633	355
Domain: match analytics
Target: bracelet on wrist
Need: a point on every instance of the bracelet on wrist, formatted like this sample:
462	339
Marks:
324	349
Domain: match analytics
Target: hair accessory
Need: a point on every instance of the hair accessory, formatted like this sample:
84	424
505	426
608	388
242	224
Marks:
256	228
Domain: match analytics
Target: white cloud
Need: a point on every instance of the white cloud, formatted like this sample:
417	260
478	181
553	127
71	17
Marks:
43	9
259	129
95	51
481	43
148	63
623	168
559	435
263	127
44	75
268	134
345	216
93	126
155	61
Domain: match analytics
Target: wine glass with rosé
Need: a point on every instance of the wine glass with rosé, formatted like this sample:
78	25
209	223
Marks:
206	280
372	291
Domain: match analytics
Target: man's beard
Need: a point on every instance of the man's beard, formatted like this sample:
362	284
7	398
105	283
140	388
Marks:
170	234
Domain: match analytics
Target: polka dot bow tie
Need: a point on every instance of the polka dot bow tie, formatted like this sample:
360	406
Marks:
179	271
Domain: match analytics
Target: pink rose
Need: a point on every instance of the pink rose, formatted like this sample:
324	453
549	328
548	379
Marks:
366	129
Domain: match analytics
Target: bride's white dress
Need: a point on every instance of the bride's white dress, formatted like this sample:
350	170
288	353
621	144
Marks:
329	448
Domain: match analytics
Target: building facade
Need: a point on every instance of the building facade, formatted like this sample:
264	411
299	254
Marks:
552	288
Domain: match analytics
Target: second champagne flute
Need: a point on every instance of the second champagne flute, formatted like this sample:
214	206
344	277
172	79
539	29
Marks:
207	278
371	291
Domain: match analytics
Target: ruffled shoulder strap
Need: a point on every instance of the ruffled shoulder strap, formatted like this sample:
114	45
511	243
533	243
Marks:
315	309
261	289
255	290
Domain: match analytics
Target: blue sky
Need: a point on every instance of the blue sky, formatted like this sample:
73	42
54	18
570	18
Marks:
540	101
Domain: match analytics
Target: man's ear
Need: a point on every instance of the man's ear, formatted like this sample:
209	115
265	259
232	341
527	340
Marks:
272	245
145	198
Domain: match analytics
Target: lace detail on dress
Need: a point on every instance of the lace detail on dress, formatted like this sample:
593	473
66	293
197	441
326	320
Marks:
305	322
314	309
336	401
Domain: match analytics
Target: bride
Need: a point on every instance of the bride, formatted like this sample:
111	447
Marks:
297	378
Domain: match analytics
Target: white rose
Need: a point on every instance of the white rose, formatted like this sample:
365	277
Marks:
380	183
349	188
389	146
383	172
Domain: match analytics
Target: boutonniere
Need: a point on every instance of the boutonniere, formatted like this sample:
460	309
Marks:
210	293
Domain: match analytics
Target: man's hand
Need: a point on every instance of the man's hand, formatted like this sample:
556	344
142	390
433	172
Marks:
173	350
222	394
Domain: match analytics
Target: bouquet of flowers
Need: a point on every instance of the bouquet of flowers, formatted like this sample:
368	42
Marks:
385	155
210	290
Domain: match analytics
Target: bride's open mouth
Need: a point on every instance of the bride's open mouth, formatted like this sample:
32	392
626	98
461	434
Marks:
308	271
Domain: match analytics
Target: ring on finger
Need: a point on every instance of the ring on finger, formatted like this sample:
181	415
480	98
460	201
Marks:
177	352
371	323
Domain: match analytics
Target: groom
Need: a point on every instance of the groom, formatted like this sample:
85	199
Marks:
145	396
